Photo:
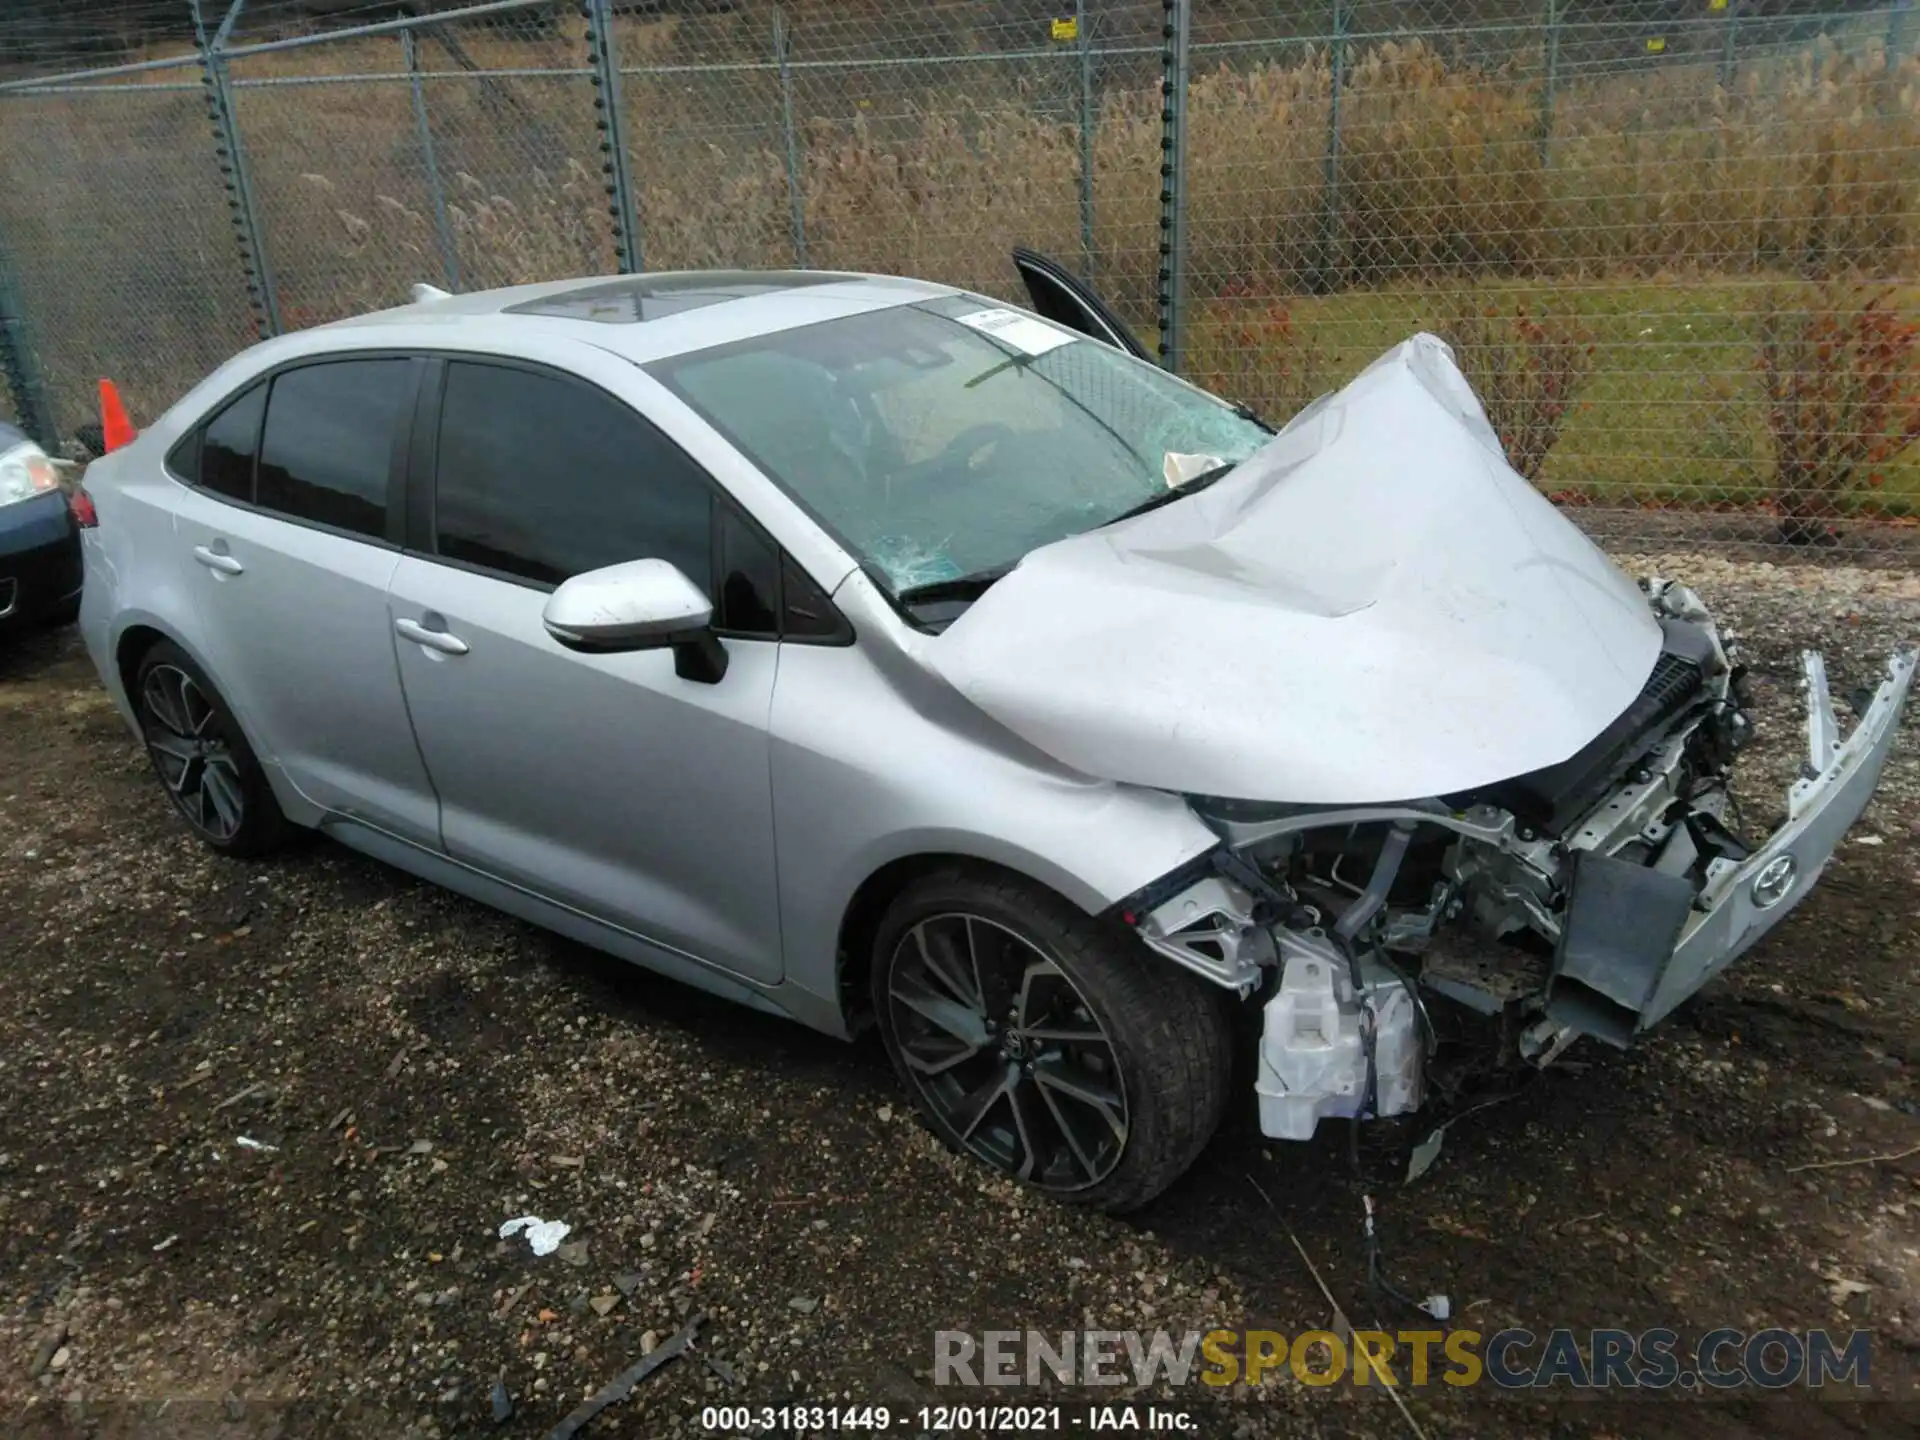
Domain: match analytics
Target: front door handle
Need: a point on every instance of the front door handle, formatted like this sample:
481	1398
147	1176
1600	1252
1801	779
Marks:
217	559
439	640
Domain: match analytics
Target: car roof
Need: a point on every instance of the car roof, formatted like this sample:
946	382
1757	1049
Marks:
641	317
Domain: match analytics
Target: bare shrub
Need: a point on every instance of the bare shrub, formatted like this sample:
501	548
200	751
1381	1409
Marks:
1841	371
1528	371
1258	354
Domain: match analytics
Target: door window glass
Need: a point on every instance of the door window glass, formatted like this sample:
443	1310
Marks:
544	478
328	452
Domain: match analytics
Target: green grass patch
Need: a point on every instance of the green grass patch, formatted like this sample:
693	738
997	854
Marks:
1673	415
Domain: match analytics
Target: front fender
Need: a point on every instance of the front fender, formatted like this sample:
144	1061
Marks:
861	781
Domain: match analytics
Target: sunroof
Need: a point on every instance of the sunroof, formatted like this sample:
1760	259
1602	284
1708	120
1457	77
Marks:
650	297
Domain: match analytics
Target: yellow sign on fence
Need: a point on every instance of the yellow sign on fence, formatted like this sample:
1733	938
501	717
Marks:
1656	45
1066	27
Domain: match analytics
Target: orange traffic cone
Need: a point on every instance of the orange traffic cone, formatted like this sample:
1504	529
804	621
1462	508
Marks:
115	428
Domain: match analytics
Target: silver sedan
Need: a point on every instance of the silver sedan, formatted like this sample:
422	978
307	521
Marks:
875	653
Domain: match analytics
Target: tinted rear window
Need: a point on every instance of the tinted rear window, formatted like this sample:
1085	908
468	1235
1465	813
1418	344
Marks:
328	452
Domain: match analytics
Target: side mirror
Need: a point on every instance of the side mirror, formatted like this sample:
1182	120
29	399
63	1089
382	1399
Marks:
638	605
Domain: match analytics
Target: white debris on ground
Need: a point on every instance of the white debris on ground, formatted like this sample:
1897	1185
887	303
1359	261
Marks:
543	1235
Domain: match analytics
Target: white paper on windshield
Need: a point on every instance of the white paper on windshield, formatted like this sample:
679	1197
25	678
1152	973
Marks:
1180	467
1023	332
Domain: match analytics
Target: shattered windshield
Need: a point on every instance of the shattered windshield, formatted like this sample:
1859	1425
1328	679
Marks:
946	439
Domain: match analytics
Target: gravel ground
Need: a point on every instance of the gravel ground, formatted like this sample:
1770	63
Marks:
260	1123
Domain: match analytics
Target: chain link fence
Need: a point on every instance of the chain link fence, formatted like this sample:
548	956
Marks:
1671	242
114	225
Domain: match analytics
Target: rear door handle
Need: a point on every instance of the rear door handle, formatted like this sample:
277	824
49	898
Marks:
217	560
439	640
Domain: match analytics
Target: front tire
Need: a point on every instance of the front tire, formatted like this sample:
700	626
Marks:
1044	1042
209	771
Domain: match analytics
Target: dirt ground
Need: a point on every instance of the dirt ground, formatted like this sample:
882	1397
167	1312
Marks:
260	1123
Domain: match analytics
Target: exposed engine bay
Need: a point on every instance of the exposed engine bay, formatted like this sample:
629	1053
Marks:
1463	776
1400	949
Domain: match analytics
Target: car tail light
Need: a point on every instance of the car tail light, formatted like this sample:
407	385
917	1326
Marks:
81	504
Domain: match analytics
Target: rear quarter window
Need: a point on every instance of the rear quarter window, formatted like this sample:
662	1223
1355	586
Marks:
219	455
184	459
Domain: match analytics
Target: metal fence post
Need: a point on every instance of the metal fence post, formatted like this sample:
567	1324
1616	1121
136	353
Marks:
1176	30
1726	45
603	53
1550	82
442	227
232	160
20	365
796	198
1896	41
1083	36
1330	183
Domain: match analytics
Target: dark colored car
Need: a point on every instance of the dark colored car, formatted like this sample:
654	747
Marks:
39	539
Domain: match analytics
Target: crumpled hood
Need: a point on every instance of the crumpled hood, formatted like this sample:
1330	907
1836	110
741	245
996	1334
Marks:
1372	607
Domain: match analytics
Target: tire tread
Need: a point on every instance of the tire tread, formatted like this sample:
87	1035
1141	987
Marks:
1170	1024
265	827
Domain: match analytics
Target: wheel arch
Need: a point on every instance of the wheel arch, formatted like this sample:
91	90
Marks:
867	906
139	635
1166	1034
131	644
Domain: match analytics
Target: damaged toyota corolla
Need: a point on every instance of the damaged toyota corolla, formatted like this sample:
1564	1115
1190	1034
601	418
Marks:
874	653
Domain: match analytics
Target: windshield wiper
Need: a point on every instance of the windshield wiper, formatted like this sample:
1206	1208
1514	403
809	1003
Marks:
959	587
972	586
1173	493
1252	417
1012	362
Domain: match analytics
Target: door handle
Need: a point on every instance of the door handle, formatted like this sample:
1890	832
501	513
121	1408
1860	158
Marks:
218	560
439	640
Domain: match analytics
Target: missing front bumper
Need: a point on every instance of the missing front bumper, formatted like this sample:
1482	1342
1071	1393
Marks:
1633	948
1314	1060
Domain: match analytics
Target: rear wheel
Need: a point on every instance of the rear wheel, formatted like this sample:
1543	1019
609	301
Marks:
1039	1040
202	758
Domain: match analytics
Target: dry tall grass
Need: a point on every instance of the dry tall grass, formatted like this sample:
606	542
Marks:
1810	162
1807	165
